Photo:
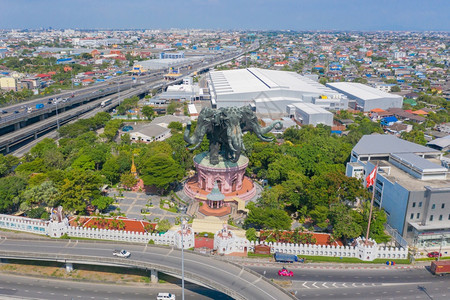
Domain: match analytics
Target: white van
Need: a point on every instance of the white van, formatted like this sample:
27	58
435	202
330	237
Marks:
165	296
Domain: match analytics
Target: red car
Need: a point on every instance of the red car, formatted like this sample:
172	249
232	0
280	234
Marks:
285	272
434	254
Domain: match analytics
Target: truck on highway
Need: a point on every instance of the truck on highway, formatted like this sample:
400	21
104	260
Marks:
39	106
440	267
283	257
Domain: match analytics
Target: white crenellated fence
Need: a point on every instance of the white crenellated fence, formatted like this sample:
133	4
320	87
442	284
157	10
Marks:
225	242
375	251
24	224
58	229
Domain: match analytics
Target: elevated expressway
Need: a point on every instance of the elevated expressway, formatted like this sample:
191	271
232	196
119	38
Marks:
30	126
228	278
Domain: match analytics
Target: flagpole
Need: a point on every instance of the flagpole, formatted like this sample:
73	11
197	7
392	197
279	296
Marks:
371	205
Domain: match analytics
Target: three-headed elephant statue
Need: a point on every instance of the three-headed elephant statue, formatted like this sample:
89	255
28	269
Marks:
224	128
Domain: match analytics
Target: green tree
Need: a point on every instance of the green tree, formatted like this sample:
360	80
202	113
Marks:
250	234
171	108
84	162
175	127
163	225
45	194
111	170
128	180
102	202
78	189
267	218
395	89
7	163
148	111
320	214
10	188
346	222
161	170
415	136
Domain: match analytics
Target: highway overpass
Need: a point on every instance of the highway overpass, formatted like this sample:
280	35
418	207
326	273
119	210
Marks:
228	278
22	127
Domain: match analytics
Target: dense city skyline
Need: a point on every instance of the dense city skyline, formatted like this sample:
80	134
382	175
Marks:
398	15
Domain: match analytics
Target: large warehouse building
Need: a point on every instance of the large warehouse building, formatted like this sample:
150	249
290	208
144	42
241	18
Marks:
367	98
270	91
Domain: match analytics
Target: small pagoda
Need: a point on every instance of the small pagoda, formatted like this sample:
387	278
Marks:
215	204
215	198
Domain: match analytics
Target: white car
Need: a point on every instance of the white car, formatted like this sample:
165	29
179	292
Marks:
165	296
121	253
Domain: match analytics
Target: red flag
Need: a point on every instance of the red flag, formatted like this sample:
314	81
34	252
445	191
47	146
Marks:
371	178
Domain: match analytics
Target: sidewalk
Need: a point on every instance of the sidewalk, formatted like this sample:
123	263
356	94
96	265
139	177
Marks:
323	265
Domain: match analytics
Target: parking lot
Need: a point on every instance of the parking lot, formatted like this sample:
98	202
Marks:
132	203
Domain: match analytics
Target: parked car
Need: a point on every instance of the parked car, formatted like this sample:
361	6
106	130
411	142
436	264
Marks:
165	296
434	254
285	273
121	253
4	112
16	111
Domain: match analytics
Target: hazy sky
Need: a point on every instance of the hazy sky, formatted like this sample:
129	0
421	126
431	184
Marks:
228	14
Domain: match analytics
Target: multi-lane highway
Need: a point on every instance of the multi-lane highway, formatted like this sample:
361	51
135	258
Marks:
24	122
231	279
23	287
321	281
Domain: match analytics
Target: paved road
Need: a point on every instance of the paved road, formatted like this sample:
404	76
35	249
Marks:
41	288
218	274
361	283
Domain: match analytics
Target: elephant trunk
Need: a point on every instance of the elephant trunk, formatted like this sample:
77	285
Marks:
196	137
260	131
230	139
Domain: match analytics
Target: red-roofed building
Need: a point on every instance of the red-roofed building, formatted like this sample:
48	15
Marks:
44	76
281	63
118	223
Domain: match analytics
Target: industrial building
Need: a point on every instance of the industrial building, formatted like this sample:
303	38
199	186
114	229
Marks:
310	114
366	97
411	185
270	91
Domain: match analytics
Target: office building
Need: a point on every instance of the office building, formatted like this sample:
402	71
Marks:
411	185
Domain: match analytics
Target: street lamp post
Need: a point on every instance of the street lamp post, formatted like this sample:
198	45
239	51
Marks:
182	261
118	90
440	247
57	117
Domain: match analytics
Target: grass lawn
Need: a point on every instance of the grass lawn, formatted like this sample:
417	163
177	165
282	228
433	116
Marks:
258	255
432	258
352	260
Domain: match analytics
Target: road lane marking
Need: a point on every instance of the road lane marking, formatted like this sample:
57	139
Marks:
325	285
304	284
240	273
314	285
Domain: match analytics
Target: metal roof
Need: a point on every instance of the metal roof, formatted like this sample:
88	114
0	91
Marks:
311	109
360	90
386	144
261	80
418	162
215	194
